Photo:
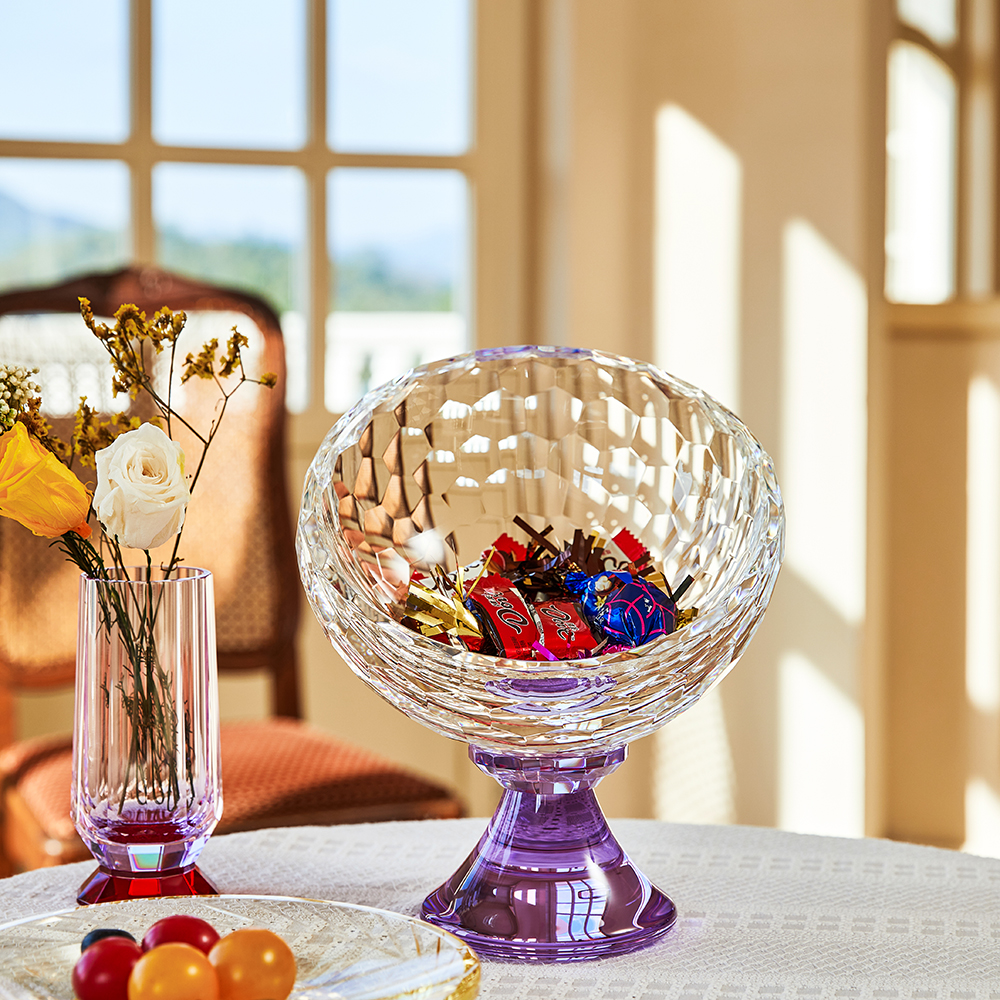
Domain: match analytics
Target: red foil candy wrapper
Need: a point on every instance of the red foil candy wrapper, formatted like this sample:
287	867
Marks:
565	633
504	617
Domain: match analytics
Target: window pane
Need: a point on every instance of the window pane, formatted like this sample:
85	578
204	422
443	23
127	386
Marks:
61	217
937	19
70	360
229	73
399	75
64	70
920	187
398	243
240	226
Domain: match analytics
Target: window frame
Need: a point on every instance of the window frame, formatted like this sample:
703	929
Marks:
494	167
972	60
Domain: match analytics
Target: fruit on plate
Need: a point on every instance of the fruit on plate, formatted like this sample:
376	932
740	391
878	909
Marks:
102	972
252	964
173	971
183	958
99	933
182	928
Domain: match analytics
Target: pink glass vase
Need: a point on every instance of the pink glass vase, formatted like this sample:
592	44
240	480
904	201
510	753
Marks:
147	787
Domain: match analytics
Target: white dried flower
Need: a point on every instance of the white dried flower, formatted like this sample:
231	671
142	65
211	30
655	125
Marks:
16	389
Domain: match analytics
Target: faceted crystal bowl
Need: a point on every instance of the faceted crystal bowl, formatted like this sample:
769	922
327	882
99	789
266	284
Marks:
430	469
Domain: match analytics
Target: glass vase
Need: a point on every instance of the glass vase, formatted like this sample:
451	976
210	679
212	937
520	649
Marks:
147	787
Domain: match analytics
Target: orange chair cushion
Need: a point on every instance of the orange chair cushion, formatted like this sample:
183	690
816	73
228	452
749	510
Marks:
273	771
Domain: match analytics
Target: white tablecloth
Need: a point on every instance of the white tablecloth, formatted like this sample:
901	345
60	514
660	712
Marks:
763	914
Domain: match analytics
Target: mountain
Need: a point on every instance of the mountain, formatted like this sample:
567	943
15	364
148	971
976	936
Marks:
413	276
21	226
369	281
15	225
432	258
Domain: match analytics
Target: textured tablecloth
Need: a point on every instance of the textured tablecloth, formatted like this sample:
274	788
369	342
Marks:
763	914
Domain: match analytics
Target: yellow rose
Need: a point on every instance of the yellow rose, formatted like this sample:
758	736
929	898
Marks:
37	490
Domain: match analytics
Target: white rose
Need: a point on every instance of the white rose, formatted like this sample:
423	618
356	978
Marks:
141	491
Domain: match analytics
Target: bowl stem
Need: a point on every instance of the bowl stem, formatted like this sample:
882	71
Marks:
548	881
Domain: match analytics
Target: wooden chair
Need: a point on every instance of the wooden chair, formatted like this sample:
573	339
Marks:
276	772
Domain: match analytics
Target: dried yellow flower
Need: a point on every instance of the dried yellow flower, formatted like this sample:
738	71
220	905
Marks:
204	364
39	428
91	434
124	342
231	359
165	327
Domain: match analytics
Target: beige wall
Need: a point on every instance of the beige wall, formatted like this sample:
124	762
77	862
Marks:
943	658
785	86
789	88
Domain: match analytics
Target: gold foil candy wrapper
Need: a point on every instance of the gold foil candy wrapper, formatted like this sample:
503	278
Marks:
440	613
684	617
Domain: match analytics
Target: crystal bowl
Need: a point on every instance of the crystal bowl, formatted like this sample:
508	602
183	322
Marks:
428	470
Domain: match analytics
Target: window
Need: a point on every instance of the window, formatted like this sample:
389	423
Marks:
941	225
920	195
330	155
922	154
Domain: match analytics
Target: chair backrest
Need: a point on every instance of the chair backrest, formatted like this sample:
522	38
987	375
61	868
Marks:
239	521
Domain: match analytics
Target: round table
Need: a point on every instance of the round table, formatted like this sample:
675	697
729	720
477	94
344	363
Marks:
763	914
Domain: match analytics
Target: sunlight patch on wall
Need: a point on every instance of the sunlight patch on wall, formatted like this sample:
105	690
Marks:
822	766
697	338
982	617
693	766
823	448
982	622
982	819
697	255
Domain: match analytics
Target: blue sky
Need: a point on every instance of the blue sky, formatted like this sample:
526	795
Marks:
64	69
228	73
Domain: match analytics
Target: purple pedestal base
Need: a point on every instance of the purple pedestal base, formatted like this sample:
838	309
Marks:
548	882
107	886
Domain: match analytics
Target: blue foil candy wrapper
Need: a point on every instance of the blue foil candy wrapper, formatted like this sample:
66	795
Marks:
627	609
585	588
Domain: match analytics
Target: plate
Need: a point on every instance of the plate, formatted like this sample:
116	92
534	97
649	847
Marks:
343	951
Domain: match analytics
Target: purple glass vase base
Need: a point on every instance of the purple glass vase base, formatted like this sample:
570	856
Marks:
108	886
547	881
